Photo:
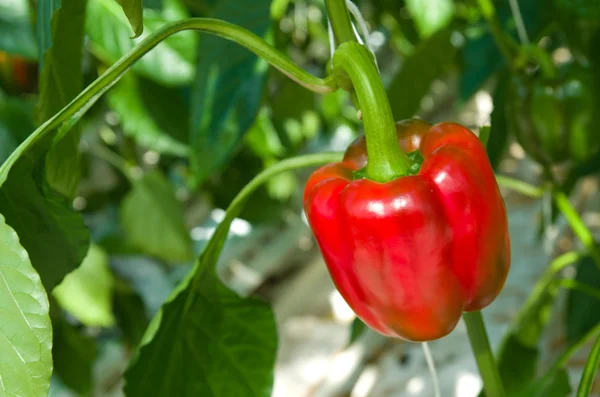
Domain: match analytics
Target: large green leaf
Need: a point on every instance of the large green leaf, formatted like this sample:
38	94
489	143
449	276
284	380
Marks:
431	16
25	331
155	116
153	219
52	233
431	58
61	79
16	30
86	293
15	124
582	313
170	63
228	88
74	354
134	10
216	344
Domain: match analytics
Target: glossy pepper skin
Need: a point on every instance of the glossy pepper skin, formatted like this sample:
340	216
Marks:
410	255
555	119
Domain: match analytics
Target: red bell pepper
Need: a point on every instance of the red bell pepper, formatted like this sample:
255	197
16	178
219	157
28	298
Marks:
410	255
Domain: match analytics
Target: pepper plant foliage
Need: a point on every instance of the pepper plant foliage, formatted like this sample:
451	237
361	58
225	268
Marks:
120	128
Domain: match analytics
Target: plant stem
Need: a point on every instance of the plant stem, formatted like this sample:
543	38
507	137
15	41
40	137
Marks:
590	370
521	30
214	245
520	186
112	158
386	159
582	232
340	21
492	384
71	113
541	288
489	13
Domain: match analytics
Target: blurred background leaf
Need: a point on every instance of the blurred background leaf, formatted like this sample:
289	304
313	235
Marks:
228	89
134	11
170	63
153	219
16	29
431	16
61	79
87	292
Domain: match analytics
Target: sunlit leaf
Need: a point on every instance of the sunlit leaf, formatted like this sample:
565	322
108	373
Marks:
25	331
86	293
431	16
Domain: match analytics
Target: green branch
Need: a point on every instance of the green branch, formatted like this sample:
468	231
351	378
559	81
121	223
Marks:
71	113
492	383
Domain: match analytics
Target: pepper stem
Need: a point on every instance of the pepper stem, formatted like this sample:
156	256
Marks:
492	383
387	161
340	20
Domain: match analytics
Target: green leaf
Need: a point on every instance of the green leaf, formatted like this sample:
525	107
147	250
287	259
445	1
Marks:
54	236
153	219
500	132
74	355
154	125
86	293
517	364
431	16
216	344
582	313
61	79
16	31
15	124
170	63
227	91
431	59
356	330
25	331
278	8
134	10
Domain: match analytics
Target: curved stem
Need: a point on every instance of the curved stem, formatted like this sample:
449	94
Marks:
541	288
492	383
517	185
579	286
582	232
590	370
431	366
489	13
340	20
69	115
215	244
521	30
386	159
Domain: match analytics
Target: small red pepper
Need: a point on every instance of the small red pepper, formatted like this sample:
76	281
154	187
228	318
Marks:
410	255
